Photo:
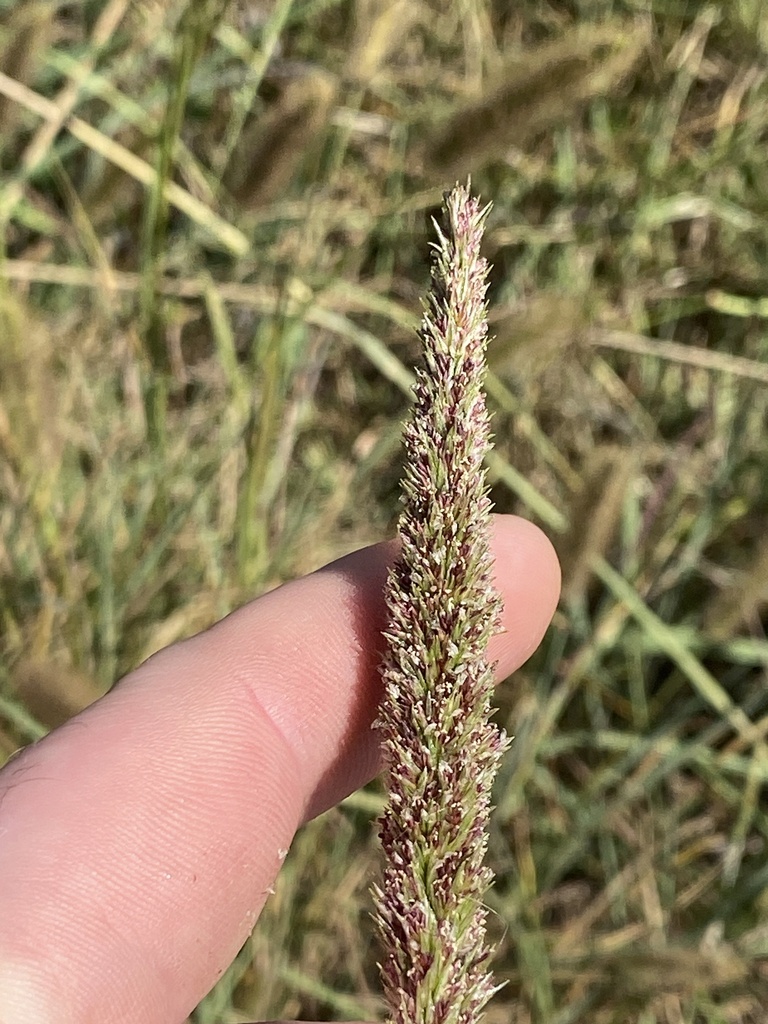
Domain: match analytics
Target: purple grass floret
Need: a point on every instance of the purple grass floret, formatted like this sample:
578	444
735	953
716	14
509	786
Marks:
442	752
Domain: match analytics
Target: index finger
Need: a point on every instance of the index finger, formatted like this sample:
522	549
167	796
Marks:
139	841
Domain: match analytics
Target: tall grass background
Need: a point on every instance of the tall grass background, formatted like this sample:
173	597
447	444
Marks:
215	221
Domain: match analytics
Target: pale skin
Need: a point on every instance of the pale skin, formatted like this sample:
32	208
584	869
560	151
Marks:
139	842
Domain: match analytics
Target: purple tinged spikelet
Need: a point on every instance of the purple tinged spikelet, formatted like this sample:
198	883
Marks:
442	751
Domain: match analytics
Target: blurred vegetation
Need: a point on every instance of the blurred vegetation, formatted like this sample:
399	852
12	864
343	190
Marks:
215	222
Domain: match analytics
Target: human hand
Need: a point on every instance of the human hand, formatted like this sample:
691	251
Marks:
139	841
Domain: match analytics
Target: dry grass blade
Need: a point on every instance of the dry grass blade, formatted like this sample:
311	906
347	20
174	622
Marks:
30	271
687	355
229	236
107	23
27	32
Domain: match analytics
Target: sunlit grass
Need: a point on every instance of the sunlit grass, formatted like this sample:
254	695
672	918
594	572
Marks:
215	230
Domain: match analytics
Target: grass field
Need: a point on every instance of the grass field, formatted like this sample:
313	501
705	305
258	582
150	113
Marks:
215	222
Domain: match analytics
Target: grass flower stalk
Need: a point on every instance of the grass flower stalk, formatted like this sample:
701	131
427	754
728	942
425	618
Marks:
442	752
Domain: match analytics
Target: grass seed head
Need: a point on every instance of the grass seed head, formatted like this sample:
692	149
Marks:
442	751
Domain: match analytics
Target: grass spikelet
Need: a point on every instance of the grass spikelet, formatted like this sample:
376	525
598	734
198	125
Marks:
380	29
529	340
741	602
441	750
52	692
28	393
269	155
547	87
594	516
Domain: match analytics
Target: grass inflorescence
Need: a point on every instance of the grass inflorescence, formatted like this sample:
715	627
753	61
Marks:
442	751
